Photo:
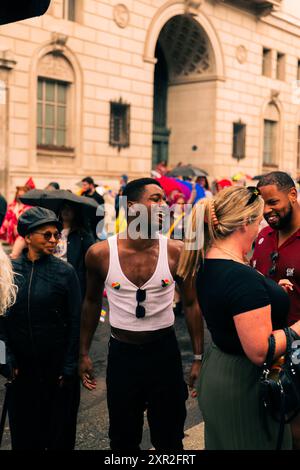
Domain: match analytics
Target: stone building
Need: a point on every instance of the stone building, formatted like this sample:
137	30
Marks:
105	87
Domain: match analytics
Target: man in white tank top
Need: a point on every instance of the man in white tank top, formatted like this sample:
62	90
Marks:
144	370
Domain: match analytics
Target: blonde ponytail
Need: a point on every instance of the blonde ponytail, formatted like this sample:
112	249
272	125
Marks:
215	219
194	241
8	290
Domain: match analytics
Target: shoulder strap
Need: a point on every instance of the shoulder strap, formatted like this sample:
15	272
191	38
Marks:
289	340
114	268
271	351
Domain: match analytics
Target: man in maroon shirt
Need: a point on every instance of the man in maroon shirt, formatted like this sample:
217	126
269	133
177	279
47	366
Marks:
277	248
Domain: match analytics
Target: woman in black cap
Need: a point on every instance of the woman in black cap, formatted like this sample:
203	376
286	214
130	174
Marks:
42	334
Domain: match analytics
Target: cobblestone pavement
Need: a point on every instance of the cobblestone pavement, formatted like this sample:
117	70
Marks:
92	427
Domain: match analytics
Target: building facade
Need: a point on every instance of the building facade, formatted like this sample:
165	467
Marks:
102	88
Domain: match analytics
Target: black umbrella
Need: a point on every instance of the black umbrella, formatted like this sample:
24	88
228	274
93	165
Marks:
187	170
54	200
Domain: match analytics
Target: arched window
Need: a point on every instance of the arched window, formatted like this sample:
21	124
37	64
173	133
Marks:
271	136
55	103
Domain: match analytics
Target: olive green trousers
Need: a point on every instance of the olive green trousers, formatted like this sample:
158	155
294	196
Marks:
229	399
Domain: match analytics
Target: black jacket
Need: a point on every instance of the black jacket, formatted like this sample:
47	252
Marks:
78	244
95	219
43	326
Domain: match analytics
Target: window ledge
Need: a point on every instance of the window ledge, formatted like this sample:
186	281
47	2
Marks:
53	150
270	166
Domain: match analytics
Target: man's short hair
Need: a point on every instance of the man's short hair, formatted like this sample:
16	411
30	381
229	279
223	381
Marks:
88	180
135	188
282	180
54	185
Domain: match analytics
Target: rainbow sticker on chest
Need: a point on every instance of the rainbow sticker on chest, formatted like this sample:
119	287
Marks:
165	282
116	285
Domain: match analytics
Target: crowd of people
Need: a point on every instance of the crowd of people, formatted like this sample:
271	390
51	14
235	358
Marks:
52	293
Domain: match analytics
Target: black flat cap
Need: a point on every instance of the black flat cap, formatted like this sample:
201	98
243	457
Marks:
35	217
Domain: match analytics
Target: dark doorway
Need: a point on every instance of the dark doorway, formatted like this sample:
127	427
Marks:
160	131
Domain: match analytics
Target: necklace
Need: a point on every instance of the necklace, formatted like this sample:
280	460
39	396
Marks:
232	255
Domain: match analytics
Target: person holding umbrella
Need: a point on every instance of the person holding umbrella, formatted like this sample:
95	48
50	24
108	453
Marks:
76	238
42	334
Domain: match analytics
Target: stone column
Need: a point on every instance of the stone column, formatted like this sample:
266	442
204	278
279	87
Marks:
7	63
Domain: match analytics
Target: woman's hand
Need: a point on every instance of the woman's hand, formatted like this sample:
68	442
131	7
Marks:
286	284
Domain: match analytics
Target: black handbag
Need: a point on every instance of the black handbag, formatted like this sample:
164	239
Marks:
280	382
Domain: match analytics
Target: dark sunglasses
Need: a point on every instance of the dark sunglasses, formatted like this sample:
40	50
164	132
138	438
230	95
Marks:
140	310
274	257
49	235
254	193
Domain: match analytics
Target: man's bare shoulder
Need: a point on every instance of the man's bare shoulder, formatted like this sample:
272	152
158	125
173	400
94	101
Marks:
97	253
175	248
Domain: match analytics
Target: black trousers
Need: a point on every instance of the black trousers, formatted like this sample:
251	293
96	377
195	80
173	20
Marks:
146	377
41	414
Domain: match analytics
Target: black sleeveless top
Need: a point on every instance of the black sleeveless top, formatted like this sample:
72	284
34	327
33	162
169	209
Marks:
227	288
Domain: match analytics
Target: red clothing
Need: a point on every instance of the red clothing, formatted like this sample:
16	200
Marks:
8	230
287	264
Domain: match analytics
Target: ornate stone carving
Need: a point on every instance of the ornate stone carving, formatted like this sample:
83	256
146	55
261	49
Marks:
274	94
7	60
56	67
241	54
260	7
186	49
59	39
192	6
121	15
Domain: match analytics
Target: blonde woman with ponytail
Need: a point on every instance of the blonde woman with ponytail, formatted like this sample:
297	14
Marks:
241	308
8	289
8	292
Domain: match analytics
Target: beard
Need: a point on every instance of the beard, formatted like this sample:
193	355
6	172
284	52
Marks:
283	220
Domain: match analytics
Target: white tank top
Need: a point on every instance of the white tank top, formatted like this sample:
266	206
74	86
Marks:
121	293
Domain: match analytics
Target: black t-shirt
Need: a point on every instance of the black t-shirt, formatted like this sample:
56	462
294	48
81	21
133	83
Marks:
227	288
98	198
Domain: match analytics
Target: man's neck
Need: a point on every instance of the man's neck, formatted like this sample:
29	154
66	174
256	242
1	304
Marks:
140	244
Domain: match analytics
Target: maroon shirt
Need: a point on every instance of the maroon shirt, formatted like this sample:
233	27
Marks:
287	264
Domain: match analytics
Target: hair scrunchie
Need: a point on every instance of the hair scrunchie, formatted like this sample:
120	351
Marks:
214	218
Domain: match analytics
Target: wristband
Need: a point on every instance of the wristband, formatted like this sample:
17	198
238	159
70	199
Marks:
198	357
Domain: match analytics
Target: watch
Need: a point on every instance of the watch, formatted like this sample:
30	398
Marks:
198	357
